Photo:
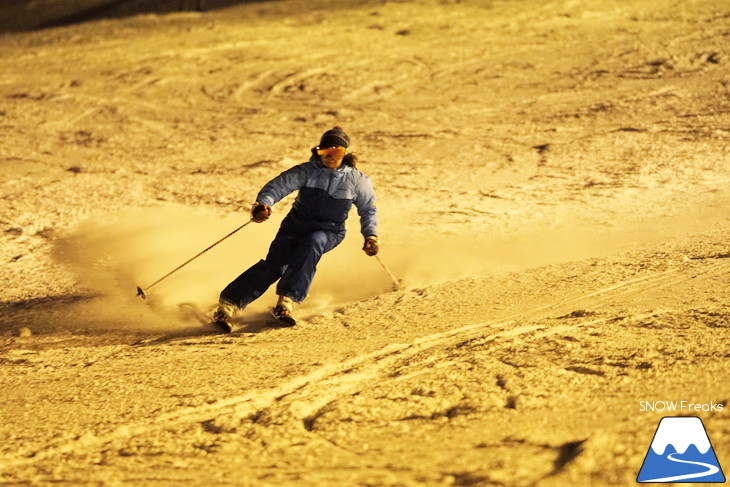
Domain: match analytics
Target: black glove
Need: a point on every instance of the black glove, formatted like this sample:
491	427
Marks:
260	212
372	245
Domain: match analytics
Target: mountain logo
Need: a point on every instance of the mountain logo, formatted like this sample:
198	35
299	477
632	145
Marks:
681	452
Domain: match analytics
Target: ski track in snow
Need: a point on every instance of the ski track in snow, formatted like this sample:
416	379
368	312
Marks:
306	394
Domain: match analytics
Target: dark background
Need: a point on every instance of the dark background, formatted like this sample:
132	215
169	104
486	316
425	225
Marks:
20	15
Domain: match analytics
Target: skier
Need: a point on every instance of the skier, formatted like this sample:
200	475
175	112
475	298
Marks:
328	185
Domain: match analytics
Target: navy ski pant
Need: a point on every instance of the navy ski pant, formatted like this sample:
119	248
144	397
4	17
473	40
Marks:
292	259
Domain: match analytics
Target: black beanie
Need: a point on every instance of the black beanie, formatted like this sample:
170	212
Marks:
335	137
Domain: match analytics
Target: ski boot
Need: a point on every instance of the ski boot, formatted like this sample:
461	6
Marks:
223	316
283	311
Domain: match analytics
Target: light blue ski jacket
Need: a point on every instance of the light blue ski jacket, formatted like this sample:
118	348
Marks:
325	197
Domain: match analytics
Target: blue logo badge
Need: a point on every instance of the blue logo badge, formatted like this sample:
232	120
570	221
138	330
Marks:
681	452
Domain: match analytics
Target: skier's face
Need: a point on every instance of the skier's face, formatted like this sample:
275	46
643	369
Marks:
331	157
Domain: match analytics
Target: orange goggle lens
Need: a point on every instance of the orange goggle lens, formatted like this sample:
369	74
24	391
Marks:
332	151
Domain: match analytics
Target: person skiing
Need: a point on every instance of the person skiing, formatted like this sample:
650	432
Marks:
328	185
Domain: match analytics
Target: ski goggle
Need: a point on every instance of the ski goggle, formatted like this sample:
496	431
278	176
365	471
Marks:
337	151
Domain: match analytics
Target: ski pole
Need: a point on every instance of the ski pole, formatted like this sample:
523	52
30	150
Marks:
396	282
141	292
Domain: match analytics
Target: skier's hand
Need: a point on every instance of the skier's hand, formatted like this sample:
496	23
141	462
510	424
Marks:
372	245
260	212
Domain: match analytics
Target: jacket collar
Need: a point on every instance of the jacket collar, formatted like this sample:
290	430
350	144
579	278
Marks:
318	163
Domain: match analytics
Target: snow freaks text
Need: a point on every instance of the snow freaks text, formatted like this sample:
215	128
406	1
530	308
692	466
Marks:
679	406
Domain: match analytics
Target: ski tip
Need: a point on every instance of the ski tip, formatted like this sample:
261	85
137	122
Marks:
141	293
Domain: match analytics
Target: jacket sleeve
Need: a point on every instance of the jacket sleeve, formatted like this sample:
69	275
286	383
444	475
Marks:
283	184
365	203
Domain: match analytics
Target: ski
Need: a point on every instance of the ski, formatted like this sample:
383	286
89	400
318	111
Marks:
283	319
224	326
